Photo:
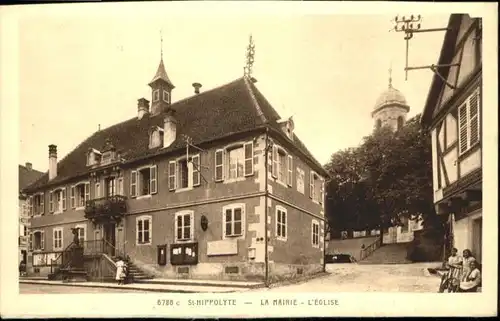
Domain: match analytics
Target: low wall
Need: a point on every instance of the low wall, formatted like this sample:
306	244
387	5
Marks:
280	271
100	268
349	246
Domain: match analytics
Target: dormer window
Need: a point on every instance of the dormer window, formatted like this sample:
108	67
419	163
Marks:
93	157
156	95
166	96
156	137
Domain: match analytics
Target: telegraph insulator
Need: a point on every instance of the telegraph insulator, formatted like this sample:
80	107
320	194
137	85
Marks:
411	25
404	18
403	27
411	17
418	26
418	17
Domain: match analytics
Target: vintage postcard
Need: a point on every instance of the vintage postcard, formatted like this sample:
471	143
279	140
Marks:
249	159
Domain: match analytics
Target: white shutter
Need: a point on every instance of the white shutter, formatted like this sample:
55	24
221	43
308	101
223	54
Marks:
311	184
30	205
171	175
133	184
474	118
462	128
290	170
191	226
275	161
73	204
42	205
196	170
219	165
322	191
63	197
120	186
153	181
51	202
42	240
87	192
248	150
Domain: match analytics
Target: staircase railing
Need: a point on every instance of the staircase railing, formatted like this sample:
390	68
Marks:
64	258
367	251
115	251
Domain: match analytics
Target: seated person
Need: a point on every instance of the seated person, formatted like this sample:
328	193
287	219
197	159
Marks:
473	280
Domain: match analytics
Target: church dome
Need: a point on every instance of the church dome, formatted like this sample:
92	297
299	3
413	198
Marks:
391	96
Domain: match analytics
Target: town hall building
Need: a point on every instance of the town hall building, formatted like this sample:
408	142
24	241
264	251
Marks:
213	186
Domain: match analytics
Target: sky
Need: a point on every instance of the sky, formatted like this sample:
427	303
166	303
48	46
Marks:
79	71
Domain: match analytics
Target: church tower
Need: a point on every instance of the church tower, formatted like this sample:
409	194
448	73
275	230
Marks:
391	108
161	88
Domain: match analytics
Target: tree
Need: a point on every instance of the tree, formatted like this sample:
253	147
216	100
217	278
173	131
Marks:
388	177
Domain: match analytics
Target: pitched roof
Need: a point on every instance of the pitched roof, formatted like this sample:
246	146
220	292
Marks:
232	108
27	176
445	57
161	73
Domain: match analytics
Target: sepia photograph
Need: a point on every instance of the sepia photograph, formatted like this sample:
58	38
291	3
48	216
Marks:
254	161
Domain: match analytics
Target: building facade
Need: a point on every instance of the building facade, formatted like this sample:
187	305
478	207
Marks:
453	115
27	176
214	186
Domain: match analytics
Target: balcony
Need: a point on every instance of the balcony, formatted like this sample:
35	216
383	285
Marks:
105	209
23	241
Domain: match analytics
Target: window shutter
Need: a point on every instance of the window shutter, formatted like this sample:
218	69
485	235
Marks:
196	170
171	175
462	127
191	226
51	202
290	170
133	183
275	161
248	158
42	240
474	117
97	191
87	192
219	165
270	161
311	184
321	193
30	205
73	205
120	186
42	205
30	244
153	181
63	197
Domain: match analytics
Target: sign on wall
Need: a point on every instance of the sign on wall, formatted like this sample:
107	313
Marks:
184	254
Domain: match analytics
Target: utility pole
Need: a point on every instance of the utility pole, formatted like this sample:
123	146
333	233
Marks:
410	25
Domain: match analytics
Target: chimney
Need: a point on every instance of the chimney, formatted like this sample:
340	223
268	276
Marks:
29	166
197	87
52	161
169	127
142	107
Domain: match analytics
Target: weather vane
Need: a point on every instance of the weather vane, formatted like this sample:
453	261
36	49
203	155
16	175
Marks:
250	58
161	44
390	76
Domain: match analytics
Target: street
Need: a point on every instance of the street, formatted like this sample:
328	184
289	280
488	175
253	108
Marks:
343	278
369	278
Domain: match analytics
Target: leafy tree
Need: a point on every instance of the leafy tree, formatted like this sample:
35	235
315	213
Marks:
387	178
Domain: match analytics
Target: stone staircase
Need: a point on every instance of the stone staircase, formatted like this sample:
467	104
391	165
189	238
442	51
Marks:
134	272
388	254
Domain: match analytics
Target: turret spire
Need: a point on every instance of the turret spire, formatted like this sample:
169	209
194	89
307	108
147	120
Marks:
161	45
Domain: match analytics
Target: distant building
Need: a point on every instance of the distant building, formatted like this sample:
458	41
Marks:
453	115
200	188
27	176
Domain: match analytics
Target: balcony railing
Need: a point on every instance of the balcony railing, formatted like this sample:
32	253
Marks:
109	207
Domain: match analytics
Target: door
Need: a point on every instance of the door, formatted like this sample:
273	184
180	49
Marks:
109	238
477	231
120	241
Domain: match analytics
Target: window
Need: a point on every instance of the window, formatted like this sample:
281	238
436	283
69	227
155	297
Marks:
468	122
233	220
156	137
144	181
80	193
281	230
281	165
183	173
315	187
120	186
57	240
143	230
25	230
82	233
93	157
184	226
315	233
166	96
107	157
378	124
57	200
38	204
300	180
156	95
235	161
110	186
400	122
37	241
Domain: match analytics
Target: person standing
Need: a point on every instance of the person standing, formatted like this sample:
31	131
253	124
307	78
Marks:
120	271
